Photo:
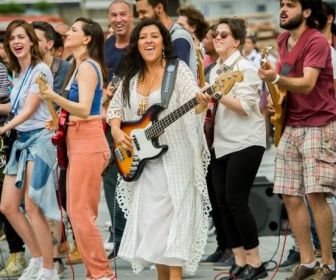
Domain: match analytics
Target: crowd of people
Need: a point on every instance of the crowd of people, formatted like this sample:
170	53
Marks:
186	107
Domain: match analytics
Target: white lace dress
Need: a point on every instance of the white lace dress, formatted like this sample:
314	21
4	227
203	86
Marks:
167	208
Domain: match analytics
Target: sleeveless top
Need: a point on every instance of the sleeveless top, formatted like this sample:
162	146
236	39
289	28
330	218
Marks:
96	102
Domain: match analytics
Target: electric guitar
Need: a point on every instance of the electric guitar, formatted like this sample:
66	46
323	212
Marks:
145	132
42	82
279	101
59	122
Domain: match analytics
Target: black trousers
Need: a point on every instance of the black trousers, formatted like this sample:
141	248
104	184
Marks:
216	214
233	176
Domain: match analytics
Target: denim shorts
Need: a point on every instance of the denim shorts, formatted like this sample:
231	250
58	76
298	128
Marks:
23	136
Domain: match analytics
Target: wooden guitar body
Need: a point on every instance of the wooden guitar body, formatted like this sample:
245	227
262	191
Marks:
131	163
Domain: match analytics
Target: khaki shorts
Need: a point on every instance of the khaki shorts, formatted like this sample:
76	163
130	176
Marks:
306	160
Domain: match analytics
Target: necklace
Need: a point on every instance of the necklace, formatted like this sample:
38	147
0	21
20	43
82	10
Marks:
143	103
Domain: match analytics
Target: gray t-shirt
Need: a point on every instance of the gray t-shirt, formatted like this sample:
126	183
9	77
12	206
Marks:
41	115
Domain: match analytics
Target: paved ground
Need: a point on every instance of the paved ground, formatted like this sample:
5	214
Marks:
269	245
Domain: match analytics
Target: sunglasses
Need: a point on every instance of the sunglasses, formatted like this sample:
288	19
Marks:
222	34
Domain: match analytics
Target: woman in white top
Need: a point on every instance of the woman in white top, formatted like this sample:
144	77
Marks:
29	169
238	147
167	207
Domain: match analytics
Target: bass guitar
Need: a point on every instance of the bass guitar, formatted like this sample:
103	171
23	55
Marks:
278	97
145	132
60	122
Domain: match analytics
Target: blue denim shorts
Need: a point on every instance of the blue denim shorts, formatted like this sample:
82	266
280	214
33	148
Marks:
23	136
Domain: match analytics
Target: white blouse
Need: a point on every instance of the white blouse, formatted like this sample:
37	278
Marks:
234	132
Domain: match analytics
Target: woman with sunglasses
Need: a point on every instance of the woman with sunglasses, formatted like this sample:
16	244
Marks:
238	147
87	148
29	169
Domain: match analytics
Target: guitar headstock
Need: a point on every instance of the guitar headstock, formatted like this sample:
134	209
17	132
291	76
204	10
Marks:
264	53
41	79
226	81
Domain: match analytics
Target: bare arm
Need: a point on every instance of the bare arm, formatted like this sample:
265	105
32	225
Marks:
87	81
300	85
5	108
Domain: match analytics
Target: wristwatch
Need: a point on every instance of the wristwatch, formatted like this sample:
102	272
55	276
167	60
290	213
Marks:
218	96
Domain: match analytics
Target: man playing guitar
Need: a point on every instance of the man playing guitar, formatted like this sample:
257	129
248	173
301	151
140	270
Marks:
305	161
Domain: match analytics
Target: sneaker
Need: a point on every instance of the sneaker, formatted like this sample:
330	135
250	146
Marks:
108	244
114	254
41	275
253	273
74	257
15	265
324	273
108	224
59	267
30	273
213	258
293	259
225	265
301	272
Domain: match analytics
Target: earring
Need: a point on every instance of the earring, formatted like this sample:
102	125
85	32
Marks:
163	54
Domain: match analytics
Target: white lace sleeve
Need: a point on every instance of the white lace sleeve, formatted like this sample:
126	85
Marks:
116	108
185	82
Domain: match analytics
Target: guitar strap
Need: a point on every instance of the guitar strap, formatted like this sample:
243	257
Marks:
289	61
16	101
169	78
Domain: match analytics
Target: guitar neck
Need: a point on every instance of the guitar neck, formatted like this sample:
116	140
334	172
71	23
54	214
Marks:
53	113
158	127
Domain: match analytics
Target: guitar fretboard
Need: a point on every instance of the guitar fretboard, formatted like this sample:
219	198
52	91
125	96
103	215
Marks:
158	127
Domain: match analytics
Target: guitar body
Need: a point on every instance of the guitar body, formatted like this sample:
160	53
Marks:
131	163
145	132
278	119
59	139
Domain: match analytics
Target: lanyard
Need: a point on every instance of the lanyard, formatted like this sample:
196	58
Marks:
24	80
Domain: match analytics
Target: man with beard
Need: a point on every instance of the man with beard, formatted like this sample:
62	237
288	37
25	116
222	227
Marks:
183	43
120	18
305	161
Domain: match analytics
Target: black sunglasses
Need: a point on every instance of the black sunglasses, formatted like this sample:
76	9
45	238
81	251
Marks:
222	34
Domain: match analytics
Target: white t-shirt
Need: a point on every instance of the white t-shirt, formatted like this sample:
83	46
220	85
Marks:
41	115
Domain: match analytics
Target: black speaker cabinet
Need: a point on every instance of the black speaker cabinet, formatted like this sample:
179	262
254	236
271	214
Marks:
266	207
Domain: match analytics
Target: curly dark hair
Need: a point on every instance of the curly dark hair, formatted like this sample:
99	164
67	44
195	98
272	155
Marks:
195	18
317	16
134	63
154	3
36	55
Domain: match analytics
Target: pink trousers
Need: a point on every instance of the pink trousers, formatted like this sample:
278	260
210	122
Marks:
88	154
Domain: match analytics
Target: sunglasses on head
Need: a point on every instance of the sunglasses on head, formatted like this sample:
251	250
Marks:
222	34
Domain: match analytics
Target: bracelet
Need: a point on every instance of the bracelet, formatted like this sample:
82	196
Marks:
276	80
218	96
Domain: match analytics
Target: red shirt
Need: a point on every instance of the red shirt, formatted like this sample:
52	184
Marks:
319	106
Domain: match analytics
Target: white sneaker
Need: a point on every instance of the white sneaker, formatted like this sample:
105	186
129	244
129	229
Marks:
30	273
108	224
108	246
42	276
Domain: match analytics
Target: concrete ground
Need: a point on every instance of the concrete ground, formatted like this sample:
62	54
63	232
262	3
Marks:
270	246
